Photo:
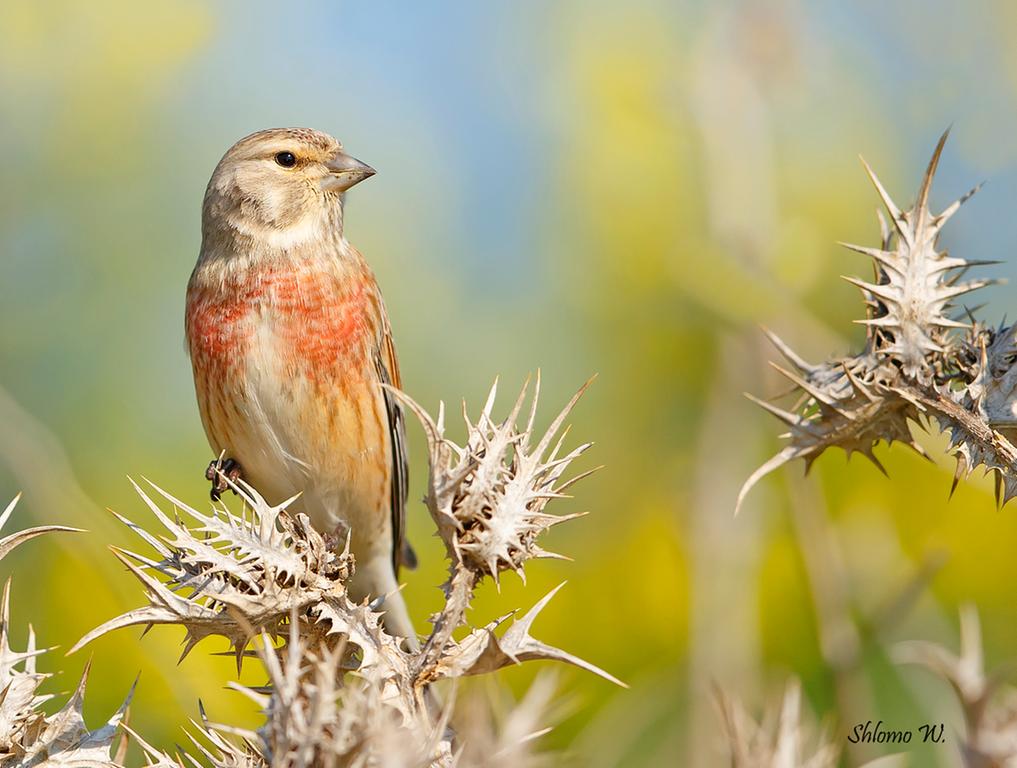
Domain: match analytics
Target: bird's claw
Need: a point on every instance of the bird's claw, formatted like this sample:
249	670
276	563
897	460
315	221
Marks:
221	472
336	539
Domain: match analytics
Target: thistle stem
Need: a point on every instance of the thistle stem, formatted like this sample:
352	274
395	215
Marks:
458	593
977	429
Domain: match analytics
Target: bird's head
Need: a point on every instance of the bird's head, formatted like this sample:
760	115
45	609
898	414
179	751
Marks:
279	182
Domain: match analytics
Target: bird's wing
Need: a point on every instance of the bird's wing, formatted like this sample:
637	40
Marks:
388	373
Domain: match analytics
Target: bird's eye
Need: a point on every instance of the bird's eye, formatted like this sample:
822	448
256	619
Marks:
286	159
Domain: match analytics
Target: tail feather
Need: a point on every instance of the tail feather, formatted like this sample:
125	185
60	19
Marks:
408	558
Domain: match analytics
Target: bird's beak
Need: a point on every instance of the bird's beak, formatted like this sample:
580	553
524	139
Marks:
344	172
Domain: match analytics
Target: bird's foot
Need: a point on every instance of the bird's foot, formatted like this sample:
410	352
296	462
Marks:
337	538
221	472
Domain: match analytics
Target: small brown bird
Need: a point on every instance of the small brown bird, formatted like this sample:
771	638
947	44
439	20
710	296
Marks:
290	345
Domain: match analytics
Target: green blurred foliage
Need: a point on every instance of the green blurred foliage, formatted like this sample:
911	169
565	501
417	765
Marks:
625	189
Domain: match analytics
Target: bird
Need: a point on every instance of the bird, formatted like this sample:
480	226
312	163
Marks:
291	349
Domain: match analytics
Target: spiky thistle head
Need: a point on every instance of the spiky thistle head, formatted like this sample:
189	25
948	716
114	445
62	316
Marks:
488	495
913	294
229	574
915	367
488	498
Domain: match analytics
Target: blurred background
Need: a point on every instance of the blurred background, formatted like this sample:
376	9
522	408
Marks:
581	187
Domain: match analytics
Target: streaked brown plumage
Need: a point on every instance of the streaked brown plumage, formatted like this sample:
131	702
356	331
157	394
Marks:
290	343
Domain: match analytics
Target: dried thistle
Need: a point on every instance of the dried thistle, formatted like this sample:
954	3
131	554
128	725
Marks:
487	498
511	739
28	737
911	300
230	575
341	690
924	360
989	705
320	713
780	740
8	543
